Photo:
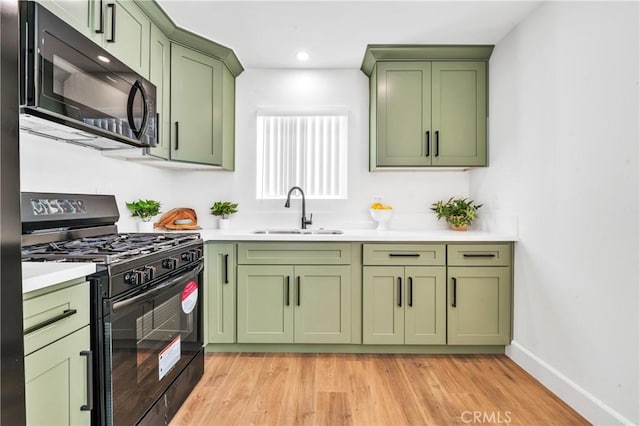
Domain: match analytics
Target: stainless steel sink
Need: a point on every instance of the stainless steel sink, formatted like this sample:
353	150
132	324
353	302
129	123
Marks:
298	231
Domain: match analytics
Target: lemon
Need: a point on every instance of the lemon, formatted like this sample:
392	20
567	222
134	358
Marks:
387	208
377	206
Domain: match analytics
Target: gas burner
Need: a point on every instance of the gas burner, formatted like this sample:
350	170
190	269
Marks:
105	249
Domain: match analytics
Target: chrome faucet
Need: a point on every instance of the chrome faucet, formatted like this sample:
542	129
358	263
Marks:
287	204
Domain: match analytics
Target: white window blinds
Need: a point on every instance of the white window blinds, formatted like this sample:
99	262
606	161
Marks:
305	149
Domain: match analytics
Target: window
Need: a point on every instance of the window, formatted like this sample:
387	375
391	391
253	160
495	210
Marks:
302	148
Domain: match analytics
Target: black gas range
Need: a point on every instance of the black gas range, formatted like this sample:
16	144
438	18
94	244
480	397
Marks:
128	259
146	297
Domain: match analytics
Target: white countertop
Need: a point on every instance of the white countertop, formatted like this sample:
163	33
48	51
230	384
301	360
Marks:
363	235
37	275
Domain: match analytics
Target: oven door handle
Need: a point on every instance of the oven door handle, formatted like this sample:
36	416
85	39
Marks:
155	290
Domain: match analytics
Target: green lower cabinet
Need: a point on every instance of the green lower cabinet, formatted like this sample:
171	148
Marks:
322	311
265	305
56	382
294	304
220	293
425	316
404	305
479	306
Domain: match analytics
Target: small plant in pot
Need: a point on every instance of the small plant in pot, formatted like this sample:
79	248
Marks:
145	210
458	212
223	209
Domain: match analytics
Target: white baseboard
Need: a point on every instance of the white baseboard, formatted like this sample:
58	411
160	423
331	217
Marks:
591	408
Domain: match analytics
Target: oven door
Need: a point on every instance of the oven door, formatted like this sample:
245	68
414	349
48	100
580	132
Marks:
150	337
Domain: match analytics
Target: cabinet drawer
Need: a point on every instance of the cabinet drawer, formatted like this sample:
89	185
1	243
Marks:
403	254
479	255
294	253
52	316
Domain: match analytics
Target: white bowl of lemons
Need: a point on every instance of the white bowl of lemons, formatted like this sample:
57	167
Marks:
382	215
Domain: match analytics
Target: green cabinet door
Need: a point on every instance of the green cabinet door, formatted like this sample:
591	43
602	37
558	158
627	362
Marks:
479	305
382	310
220	293
265	304
459	113
202	109
56	382
404	305
403	113
127	34
428	113
425	317
159	75
74	12
322	304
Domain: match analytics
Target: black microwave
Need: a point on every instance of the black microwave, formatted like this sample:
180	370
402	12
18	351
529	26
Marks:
69	80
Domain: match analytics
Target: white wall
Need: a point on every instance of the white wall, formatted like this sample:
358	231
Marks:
564	158
411	194
47	165
54	166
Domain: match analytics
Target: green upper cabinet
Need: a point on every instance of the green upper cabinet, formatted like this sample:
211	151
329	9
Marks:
459	113
428	105
73	12
160	76
202	109
403	91
123	30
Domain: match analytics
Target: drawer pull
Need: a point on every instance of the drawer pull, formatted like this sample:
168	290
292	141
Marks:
89	405
478	255
65	314
404	254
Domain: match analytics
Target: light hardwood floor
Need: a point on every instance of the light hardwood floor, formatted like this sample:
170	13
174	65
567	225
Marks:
368	390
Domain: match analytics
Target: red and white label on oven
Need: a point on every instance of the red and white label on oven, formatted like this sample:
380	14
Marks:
168	357
189	297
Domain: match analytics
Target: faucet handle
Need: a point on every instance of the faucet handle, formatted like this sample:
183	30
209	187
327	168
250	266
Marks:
309	221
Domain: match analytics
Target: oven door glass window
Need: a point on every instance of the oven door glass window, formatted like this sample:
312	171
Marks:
150	337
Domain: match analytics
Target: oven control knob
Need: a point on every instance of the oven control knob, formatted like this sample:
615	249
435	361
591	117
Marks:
170	263
149	273
134	277
189	256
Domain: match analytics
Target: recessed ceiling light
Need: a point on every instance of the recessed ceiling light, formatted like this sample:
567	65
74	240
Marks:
104	58
302	56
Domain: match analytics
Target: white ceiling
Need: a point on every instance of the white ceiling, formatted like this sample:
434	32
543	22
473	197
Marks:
268	34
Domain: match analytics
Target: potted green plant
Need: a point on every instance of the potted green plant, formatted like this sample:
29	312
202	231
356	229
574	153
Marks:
458	212
223	209
145	210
